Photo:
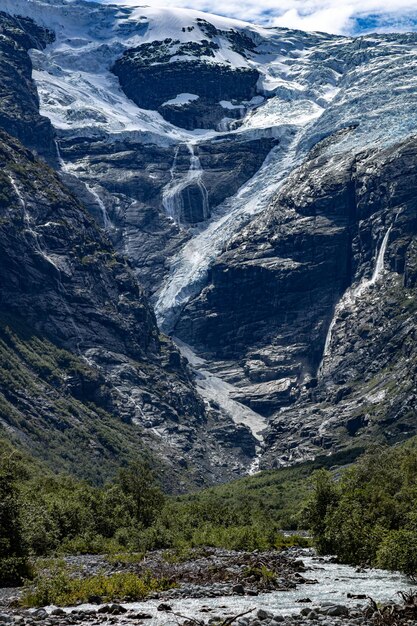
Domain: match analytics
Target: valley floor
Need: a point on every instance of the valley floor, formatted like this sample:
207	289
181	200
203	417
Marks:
217	586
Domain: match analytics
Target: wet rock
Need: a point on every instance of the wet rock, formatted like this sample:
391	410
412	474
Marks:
264	615
336	611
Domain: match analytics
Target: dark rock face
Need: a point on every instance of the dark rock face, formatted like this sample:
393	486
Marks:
63	279
149	77
205	112
131	178
64	253
272	296
279	279
194	204
19	110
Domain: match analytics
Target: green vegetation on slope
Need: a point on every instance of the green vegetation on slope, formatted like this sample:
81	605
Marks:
369	516
364	512
56	404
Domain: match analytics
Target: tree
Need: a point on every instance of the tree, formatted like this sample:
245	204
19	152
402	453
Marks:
145	497
14	565
322	503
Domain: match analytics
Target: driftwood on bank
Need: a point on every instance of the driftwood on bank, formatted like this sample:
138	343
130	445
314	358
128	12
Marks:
227	622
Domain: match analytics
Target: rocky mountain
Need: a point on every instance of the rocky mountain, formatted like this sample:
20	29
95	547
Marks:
86	377
258	184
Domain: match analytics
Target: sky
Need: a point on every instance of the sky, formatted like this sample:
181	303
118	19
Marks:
348	17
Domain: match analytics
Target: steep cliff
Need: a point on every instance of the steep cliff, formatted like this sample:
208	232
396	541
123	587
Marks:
261	184
94	379
315	302
19	111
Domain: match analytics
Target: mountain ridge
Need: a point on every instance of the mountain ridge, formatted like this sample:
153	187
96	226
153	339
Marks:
229	164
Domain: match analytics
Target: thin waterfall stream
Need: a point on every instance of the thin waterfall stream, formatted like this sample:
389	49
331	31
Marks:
105	216
41	251
173	195
354	293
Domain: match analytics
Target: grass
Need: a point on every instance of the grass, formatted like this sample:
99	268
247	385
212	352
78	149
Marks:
62	588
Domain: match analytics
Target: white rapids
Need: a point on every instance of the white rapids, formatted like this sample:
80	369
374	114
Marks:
334	582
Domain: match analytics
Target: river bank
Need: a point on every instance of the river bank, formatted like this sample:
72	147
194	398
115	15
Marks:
217	585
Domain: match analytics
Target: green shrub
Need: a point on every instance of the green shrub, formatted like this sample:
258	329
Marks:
290	541
14	570
63	589
398	551
369	516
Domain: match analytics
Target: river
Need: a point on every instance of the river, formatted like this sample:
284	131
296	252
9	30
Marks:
334	583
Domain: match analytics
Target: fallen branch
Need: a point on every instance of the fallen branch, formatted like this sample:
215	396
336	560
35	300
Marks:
226	622
230	620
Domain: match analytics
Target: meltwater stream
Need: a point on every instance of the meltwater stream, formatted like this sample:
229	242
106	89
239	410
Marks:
334	583
354	293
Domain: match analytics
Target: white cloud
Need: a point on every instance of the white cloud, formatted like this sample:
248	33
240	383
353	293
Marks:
333	16
329	20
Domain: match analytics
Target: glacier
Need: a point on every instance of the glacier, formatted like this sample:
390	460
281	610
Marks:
349	94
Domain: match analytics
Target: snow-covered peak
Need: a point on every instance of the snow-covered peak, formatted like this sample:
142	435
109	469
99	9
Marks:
301	75
79	91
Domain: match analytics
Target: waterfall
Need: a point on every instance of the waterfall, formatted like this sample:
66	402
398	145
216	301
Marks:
27	221
379	265
106	220
40	250
60	159
172	194
190	266
352	294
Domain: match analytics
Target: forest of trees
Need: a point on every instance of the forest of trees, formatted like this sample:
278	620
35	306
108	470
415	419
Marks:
364	513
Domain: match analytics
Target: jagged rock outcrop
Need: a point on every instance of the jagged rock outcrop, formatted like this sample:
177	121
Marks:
272	297
188	93
19	110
